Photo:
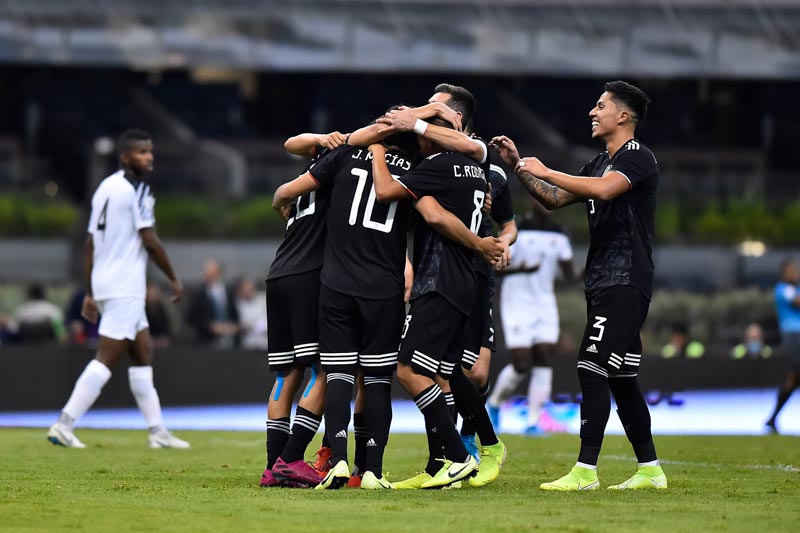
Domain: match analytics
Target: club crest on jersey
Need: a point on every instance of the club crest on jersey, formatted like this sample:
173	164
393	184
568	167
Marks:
608	169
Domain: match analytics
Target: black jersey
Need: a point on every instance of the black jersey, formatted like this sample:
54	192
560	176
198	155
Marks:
366	244
441	265
502	211
621	229
304	241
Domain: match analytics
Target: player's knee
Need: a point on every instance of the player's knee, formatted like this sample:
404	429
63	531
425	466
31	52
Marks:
479	374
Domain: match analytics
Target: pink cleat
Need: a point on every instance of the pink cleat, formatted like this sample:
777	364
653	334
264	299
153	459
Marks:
295	474
268	480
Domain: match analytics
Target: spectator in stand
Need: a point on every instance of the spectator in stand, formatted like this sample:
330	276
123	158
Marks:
157	317
252	315
787	302
38	320
212	309
80	330
679	345
753	346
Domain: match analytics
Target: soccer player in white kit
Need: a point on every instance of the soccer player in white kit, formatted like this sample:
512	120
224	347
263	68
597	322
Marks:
121	236
529	313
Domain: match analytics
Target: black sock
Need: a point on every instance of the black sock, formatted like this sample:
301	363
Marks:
277	436
635	416
304	428
470	405
435	451
595	408
467	426
433	406
337	413
783	397
449	399
378	420
325	442
360	436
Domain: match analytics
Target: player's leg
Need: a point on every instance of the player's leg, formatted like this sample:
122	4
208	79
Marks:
338	336
430	328
508	380
113	345
382	321
540	386
359	435
791	349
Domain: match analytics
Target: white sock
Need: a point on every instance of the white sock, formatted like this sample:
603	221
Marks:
585	465
87	389
650	463
508	380
141	382
539	388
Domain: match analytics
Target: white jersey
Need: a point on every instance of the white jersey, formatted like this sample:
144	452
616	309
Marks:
120	208
534	292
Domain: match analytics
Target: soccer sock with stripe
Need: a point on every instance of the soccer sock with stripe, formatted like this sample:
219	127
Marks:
378	420
595	409
87	389
470	404
140	379
635	416
304	428
433	406
277	437
360	436
337	412
450	400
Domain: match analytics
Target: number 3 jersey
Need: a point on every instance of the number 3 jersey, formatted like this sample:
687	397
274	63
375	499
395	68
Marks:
366	243
303	242
441	265
121	206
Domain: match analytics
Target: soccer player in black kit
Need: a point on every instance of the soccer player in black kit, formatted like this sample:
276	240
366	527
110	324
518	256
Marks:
619	188
443	293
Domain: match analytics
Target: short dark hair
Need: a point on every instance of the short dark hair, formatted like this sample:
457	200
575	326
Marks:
129	138
36	291
631	96
460	100
786	263
405	141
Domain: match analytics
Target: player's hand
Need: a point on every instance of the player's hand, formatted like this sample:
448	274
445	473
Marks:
377	149
177	290
408	274
505	259
284	211
332	140
89	309
487	200
490	249
402	119
506	149
448	114
532	165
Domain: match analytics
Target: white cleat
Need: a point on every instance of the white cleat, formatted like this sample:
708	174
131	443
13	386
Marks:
61	435
165	439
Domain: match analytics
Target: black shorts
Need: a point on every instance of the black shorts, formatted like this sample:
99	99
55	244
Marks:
359	334
292	307
611	345
480	329
433	336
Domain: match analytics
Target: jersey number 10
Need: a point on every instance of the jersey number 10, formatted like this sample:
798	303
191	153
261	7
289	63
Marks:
367	222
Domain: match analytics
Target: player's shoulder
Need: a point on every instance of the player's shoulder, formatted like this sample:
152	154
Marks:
635	149
116	184
497	174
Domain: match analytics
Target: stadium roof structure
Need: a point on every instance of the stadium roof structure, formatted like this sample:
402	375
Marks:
721	38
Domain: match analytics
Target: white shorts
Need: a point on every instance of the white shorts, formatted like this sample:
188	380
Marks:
122	318
527	331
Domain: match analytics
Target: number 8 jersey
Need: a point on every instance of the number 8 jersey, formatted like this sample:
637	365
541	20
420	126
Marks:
366	243
121	206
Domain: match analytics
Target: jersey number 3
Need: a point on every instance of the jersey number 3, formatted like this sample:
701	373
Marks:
367	222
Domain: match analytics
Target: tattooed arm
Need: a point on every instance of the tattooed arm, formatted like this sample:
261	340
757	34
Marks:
550	196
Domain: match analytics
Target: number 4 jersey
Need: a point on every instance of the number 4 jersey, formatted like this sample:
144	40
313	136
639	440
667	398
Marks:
366	243
121	206
441	265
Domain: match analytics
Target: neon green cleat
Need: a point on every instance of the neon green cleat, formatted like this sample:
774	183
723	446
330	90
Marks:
450	473
370	481
336	478
492	460
412	483
579	478
646	477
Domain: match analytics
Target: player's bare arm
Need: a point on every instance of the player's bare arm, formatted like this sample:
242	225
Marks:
607	187
508	236
403	119
158	254
387	189
437	110
288	193
306	144
490	249
89	307
408	276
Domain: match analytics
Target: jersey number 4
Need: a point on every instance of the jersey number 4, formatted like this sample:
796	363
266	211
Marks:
102	219
367	222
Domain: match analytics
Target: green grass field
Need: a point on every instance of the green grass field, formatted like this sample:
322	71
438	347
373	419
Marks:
118	484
